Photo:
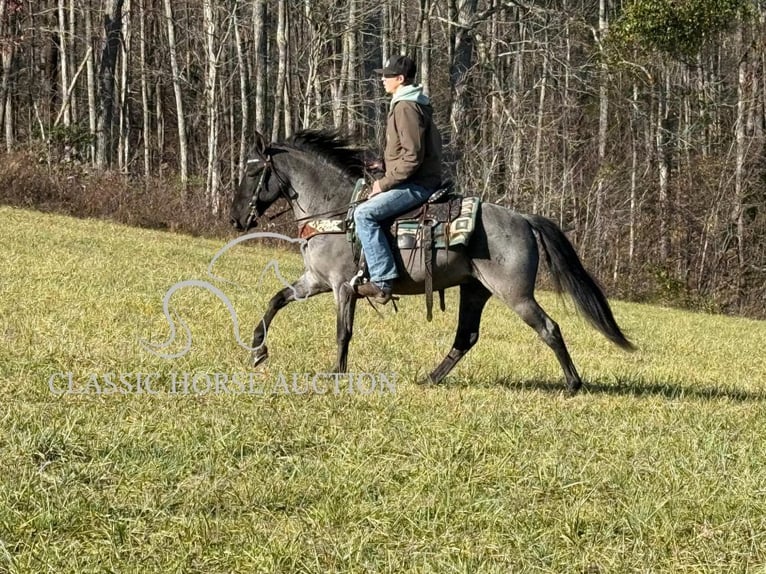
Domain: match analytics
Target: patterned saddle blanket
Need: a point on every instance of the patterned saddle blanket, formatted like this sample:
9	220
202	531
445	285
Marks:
451	221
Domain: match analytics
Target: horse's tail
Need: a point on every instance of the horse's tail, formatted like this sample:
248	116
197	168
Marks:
569	275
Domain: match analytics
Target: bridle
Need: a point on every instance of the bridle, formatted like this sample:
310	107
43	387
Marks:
285	190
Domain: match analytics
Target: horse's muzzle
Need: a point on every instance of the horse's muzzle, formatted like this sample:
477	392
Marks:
249	224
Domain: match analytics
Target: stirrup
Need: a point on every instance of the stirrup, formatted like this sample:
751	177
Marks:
357	280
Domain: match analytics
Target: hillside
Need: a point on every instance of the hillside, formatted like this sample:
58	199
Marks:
656	466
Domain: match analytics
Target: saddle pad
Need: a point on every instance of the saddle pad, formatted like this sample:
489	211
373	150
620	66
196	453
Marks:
445	235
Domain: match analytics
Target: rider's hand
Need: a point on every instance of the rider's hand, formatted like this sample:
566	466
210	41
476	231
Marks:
375	189
375	165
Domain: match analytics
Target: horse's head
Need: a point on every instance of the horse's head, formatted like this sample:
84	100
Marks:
260	187
315	163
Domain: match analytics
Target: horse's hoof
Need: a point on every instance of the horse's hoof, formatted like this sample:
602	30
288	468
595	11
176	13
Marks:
573	388
259	356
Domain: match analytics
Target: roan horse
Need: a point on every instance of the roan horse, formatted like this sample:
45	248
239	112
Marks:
315	172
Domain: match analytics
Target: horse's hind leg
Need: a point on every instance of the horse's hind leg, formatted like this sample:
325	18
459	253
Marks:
534	316
473	298
505	260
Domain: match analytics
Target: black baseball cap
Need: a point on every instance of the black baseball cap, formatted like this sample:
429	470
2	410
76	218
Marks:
399	65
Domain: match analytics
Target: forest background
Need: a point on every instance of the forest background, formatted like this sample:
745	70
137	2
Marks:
637	125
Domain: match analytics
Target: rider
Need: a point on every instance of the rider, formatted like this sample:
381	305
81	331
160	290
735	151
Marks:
412	159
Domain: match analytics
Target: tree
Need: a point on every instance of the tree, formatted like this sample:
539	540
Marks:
622	120
176	73
107	81
211	99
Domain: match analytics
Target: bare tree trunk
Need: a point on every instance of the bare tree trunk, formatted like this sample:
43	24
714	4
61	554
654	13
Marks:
123	146
403	40
386	41
516	111
497	73
338	87
8	120
146	127
230	66
352	65
491	146
183	146
461	65
64	57
603	123
279	91
211	94
452	16
386	51
72	42
159	115
6	97
259	40
663	160
425	45
539	190
3	43
112	28
634	121
244	108
48	66
313	96
739	169
565	119
704	143
287	96
760	102
91	80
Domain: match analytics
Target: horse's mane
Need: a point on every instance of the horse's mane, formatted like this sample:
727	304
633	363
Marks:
331	146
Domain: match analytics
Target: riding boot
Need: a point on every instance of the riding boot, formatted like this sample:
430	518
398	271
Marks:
372	291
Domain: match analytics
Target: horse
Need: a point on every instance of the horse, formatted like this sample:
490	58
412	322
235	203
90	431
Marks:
316	170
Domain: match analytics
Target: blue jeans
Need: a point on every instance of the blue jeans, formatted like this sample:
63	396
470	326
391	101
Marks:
368	217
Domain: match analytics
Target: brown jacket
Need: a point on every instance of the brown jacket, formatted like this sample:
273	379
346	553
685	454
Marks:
413	143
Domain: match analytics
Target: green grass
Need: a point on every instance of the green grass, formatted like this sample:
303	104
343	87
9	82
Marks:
656	467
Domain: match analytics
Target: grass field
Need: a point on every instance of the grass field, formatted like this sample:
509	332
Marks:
657	466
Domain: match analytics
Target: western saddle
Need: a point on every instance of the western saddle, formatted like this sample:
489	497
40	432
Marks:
443	207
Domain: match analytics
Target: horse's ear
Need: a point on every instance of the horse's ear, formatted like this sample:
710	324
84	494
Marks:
261	145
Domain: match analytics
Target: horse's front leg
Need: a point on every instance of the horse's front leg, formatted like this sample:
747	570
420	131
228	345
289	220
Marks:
345	299
303	288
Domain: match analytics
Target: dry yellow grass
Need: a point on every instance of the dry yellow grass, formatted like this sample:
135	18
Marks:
655	467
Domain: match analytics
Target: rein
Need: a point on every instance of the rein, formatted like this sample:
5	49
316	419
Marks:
252	212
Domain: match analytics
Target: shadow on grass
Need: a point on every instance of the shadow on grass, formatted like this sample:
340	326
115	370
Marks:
639	388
